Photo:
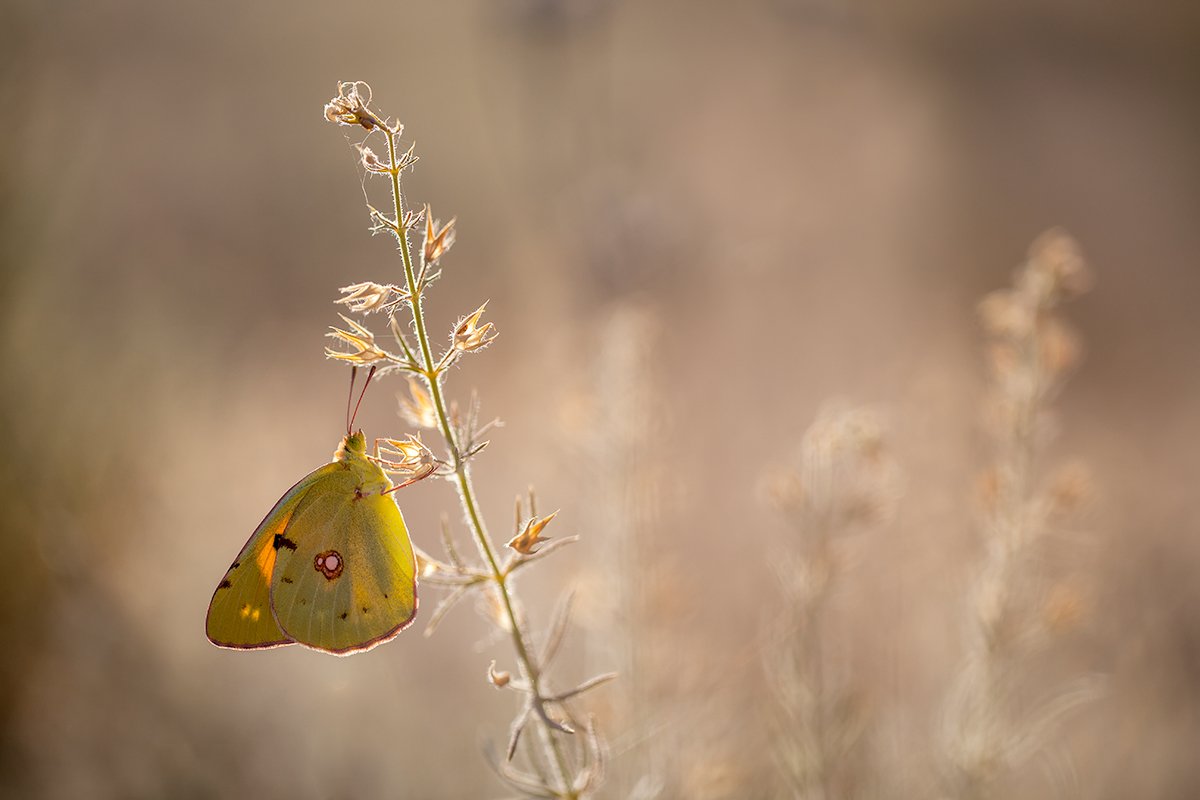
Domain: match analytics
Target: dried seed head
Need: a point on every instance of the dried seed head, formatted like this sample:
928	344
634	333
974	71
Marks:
529	539
362	340
418	407
470	336
409	456
350	107
366	297
498	678
438	237
370	162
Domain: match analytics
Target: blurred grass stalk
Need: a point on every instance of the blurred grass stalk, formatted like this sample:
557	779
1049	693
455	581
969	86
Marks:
844	483
987	732
556	768
623	442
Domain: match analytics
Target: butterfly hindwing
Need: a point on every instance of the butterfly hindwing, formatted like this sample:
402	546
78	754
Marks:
239	615
344	577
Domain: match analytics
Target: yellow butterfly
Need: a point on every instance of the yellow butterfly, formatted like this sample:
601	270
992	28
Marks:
331	566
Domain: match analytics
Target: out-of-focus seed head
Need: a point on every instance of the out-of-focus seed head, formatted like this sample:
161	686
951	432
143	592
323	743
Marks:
988	488
1008	314
1070	488
418	407
784	489
1064	609
1059	258
1059	348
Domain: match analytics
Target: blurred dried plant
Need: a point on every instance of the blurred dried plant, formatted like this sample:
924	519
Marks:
845	482
558	764
620	426
989	728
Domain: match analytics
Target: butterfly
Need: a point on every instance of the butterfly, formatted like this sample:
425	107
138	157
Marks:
330	567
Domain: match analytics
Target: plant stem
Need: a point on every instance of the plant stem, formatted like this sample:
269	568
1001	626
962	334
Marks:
462	471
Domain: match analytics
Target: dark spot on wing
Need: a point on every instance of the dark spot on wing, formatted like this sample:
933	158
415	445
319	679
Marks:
236	564
225	584
283	541
385	595
286	579
366	609
303	602
343	615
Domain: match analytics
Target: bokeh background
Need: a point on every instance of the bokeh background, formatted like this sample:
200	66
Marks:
696	222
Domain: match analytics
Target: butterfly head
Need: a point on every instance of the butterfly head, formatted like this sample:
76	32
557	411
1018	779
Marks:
353	446
353	453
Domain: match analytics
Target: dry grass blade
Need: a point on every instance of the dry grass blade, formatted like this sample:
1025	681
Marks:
557	629
443	607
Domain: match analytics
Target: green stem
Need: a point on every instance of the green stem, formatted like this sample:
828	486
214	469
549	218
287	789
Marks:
462	471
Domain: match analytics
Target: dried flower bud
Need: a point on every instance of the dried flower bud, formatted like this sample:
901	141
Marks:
529	539
367	297
418	409
366	351
500	678
350	108
470	336
437	239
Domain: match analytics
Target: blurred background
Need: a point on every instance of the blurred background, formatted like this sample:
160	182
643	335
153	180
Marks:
696	223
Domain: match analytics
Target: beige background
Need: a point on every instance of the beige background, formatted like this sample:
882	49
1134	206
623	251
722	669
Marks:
727	212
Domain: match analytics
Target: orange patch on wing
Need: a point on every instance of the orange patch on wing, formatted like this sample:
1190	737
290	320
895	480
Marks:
266	558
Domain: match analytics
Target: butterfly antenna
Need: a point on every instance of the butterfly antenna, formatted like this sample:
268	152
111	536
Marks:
350	396
366	383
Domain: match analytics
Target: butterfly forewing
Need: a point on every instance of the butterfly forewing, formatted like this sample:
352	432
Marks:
239	615
344	577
